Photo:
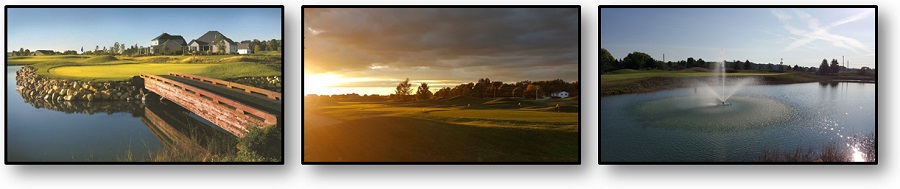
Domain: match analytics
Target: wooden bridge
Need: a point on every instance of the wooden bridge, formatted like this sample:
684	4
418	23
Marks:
229	105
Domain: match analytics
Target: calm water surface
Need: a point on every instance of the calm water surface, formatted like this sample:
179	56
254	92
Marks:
653	127
39	130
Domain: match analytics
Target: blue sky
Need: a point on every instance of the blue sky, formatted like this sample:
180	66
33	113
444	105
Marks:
63	29
801	36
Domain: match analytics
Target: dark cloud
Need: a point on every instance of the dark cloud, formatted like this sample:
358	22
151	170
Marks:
452	44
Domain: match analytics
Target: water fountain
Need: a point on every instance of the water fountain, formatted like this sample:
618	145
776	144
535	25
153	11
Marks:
717	104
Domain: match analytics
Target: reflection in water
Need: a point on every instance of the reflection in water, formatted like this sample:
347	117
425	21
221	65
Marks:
105	131
182	132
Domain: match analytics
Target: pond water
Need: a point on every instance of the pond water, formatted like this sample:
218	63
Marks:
681	126
78	131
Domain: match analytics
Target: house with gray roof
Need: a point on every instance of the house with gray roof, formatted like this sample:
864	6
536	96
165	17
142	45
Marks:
213	42
167	44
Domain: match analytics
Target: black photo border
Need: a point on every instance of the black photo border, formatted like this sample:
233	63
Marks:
600	24
578	162
6	100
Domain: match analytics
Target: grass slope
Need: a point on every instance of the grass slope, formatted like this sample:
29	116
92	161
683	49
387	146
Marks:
444	130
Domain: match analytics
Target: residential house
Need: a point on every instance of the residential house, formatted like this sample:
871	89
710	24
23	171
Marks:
43	52
174	44
244	47
211	42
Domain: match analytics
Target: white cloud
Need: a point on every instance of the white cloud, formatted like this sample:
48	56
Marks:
816	32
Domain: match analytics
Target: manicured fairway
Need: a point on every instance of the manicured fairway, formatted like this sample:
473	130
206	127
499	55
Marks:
125	71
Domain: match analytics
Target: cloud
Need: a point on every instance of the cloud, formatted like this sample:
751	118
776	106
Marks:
816	32
444	44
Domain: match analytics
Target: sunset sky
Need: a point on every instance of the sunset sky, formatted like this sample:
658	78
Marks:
371	50
801	36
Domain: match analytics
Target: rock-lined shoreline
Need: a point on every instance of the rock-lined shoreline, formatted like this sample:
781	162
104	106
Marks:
30	84
272	83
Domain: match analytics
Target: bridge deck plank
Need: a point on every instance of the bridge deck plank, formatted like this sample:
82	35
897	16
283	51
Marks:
257	101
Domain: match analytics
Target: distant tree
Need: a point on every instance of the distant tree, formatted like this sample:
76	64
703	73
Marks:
114	49
443	93
691	62
27	52
606	61
220	45
255	44
423	93
533	91
864	70
404	89
21	51
96	48
638	60
700	61
499	88
835	67
823	68
515	91
271	45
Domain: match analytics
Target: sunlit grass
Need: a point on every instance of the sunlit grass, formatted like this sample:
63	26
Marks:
125	71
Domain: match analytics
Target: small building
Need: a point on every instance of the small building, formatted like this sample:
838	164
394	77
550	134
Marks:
562	94
244	47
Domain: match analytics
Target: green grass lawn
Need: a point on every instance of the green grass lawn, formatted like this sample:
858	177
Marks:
636	81
125	71
447	130
105	67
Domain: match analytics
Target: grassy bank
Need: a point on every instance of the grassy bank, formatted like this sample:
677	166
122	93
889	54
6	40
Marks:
445	130
634	81
113	68
258	145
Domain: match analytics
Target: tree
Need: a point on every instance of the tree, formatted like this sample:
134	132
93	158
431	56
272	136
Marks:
255	44
403	90
606	61
21	51
864	70
499	88
533	91
443	93
516	90
114	49
823	68
835	67
701	62
638	60
691	62
27	52
747	65
220	45
271	45
423	93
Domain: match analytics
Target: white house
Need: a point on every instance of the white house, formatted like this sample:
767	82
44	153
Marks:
562	94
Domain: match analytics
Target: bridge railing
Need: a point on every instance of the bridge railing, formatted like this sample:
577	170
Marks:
246	88
201	94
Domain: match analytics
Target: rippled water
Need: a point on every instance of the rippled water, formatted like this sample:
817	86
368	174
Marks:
79	131
679	125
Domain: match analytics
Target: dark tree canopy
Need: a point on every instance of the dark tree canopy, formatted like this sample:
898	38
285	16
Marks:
638	60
